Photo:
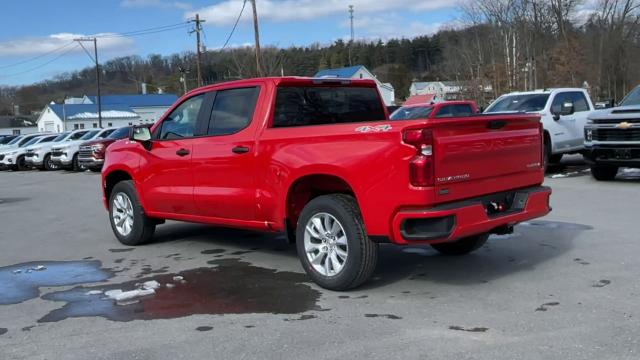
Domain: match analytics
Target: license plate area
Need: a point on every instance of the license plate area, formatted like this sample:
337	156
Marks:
504	203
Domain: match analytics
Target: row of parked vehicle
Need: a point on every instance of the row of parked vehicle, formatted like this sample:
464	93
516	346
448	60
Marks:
72	150
607	138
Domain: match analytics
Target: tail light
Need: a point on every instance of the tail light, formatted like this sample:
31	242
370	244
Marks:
421	171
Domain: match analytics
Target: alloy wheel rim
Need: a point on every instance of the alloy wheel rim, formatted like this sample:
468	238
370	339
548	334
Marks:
122	213
325	244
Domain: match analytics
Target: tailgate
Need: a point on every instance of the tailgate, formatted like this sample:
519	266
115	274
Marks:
486	154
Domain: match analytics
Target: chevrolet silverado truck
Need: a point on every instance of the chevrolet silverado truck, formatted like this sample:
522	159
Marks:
320	161
563	113
612	137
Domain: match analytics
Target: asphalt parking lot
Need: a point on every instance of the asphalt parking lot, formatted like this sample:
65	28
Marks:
562	287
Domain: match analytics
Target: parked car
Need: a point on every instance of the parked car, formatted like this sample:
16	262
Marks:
563	112
16	159
91	155
66	155
445	109
39	155
319	160
12	154
612	137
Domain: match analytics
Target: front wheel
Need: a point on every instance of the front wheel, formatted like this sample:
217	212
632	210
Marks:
75	166
128	221
332	243
21	164
462	246
604	172
48	164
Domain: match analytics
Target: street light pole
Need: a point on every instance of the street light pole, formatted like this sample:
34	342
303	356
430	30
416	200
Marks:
95	59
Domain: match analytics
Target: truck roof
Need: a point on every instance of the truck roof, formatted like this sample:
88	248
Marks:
291	80
543	91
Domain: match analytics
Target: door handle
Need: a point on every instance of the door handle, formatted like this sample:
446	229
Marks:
240	149
496	124
182	152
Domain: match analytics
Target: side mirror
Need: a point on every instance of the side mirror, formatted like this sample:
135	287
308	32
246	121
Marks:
567	109
141	134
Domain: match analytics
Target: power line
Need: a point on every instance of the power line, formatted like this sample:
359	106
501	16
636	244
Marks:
144	32
37	57
41	65
234	26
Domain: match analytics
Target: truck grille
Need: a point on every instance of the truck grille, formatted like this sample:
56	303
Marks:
85	152
616	134
30	153
615	121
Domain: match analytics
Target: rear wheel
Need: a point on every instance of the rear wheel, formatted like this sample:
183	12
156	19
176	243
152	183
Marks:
604	172
332	243
555	158
462	246
128	221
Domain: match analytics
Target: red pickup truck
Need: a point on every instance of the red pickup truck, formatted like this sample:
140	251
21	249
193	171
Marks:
319	160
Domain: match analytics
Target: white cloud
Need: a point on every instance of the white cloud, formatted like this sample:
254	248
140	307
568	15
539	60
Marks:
155	3
387	27
107	42
226	12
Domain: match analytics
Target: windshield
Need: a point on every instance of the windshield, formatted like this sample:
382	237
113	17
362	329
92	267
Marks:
411	112
89	135
60	137
632	98
119	133
106	133
76	135
519	103
31	142
15	140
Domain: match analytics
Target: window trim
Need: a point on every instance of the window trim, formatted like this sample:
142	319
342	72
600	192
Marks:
209	121
155	136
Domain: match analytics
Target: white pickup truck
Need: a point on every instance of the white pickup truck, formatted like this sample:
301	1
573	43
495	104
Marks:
563	112
66	155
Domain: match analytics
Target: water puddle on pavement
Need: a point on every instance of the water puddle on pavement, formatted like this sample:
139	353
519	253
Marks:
232	287
22	282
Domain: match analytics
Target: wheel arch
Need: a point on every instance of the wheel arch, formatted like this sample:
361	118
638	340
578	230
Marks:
111	179
307	187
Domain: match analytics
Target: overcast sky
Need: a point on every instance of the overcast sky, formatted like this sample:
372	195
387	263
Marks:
32	28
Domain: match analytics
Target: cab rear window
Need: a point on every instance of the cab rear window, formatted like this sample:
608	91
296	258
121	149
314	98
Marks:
304	106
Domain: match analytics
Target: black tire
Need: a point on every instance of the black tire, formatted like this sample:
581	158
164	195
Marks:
21	164
75	166
555	158
143	227
95	169
362	252
47	164
462	246
547	153
604	172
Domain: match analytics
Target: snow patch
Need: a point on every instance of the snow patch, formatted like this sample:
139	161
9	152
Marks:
94	292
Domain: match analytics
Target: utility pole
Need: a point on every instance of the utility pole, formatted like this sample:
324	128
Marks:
183	77
352	37
257	36
197	29
94	58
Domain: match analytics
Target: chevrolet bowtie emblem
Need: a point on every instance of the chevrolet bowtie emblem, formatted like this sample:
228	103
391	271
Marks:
623	125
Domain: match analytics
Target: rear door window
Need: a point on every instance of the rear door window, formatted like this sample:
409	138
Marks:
232	110
304	106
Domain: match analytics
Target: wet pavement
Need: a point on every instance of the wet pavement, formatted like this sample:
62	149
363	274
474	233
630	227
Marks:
561	287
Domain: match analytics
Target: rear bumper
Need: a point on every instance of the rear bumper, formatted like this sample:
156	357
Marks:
453	221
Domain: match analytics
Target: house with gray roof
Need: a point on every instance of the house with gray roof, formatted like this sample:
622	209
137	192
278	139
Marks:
17	125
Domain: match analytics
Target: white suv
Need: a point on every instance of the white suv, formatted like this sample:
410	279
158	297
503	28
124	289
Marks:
66	155
14	157
39	155
563	114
